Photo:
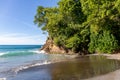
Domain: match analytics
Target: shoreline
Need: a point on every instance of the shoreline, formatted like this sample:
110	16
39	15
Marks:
115	75
69	57
109	56
46	62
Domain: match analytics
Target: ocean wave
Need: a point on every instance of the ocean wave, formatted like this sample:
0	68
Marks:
15	53
3	79
37	63
24	67
20	53
1	54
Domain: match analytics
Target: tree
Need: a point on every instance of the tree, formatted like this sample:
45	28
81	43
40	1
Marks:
82	25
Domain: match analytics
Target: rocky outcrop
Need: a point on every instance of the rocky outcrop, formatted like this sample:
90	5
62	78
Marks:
50	47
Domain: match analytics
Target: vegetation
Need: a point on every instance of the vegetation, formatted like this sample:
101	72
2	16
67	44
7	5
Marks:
82	25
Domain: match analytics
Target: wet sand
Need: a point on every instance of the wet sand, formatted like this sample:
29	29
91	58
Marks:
110	56
110	76
115	75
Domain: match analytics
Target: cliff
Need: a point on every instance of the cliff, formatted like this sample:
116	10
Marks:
50	47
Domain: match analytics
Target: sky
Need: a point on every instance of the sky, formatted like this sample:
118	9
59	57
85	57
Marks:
16	22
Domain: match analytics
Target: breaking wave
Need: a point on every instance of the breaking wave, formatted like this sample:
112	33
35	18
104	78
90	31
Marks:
34	64
20	53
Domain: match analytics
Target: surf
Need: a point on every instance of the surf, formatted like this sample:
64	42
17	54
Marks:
20	53
31	65
3	79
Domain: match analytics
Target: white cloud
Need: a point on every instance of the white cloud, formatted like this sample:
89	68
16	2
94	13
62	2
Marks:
19	39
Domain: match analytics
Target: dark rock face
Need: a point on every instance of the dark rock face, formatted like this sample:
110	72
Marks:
50	47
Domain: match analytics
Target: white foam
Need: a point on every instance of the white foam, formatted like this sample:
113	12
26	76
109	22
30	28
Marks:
42	51
1	54
34	51
29	66
7	52
38	51
3	79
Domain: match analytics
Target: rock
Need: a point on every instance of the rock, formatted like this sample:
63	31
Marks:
50	47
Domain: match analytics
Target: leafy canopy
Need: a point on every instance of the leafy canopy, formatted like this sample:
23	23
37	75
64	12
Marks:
82	25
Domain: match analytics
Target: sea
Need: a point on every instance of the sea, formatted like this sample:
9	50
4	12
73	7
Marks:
16	58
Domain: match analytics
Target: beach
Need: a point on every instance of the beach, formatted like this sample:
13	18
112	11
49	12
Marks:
28	63
115	75
110	76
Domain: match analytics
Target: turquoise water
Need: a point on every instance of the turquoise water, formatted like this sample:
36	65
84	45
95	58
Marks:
12	56
15	58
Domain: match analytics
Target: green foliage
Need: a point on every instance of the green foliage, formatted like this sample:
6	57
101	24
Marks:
103	43
83	25
102	18
73	43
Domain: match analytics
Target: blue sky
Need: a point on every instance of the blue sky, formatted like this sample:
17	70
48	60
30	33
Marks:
16	21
